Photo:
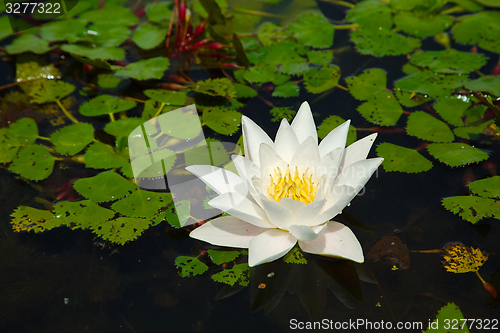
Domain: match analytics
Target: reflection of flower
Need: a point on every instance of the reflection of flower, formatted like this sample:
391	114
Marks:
288	190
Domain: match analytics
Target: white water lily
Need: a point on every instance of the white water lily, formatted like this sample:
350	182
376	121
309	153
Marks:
288	191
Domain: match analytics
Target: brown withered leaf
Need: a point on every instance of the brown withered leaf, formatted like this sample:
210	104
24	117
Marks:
394	251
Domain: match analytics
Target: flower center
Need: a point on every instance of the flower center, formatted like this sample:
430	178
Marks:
299	187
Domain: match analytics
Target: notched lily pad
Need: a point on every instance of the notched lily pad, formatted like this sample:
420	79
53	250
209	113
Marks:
102	156
487	83
431	84
105	104
426	127
317	80
312	29
73	138
381	109
288	89
33	162
220	257
449	61
221	120
152	68
371	14
81	214
121	230
25	130
482	28
190	266
472	208
422	26
402	159
49	91
370	82
456	154
488	188
106	186
142	203
382	42
216	87
452	109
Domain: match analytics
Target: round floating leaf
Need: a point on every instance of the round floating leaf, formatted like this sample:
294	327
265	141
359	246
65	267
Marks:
95	53
33	162
270	33
382	42
456	154
123	127
488	188
102	156
28	43
288	89
70	30
105	104
409	99
487	83
472	132
142	203
73	138
422	26
432	84
221	121
25	130
363	86
239	273
190	266
220	257
279	113
244	91
371	14
167	97
295	256
50	91
26	218
180	124
109	81
121	230
177	215
148	36
107	34
452	109
153	68
448	312
469	5
474	114
321	58
259	74
426	127
397	158
449	61
9	145
312	30
320	80
333	122
472	208
106	186
216	87
381	109
81	214
159	12
111	13
482	28
164	161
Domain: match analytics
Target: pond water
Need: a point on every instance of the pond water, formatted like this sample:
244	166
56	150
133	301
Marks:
65	280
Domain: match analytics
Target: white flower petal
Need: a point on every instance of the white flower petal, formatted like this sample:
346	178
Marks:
335	139
336	241
269	246
358	150
303	124
357	174
336	201
292	206
277	215
305	233
286	143
227	231
307	214
253	137
329	167
220	180
270	160
247	171
241	207
306	156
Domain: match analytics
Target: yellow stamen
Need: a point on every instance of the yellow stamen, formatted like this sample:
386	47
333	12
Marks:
292	185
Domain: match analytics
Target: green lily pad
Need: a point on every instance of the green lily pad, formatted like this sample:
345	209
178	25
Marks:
63	30
220	257
213	153
409	99
422	26
25	130
487	83
472	132
32	70
111	13
295	256
239	273
123	127
490	3
33	162
469	5
168	97
270	33
148	36
488	188
49	91
321	58
216	87
472	208
371	14
279	113
164	161
73	138
28	43
106	186
381	109
449	61
259	74
370	82
285	57
142	203
333	122
26	218
121	230
105	104
452	109
81	214
5	27
159	12
102	156
431	84
244	91
402	159
9	145
288	89
426	127
482	28
456	154
382	42
317	80
474	114
221	120
313	30
153	68
180	124
177	215
451	313
190	266
95	53
108	34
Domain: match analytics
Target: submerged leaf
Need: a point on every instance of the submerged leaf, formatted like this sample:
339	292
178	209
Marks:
33	162
381	109
462	259
392	248
106	186
397	158
426	127
456	154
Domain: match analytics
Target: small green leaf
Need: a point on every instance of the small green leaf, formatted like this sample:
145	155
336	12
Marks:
482	28
28	43
397	158
370	82
449	61
26	218
177	215
259	74
244	91
288	89
152	68
33	162
106	186
50	91
109	81
63	30
422	27
321	80
180	124
472	132
488	83
295	256
9	145
81	214
451	313
474	114
142	203
216	87
456	154
168	97
25	130
410	99
121	230
220	257
213	153
432	84
123	127
381	109
426	127
105	104
321	58
472	208
190	266
382	42
490	3
164	161
95	53
111	13
73	138
102	156
231	276
333	122
159	12
452	109
221	120
108	34
371	14
282	113
313	29
148	36
488	188
270	33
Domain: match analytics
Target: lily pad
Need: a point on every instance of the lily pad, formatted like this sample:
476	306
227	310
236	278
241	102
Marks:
422	26
123	127
288	89
102	156
402	159
472	208
168	97
177	215
456	154
313	29
159	12
81	214
244	91
221	120
26	218
148	36
108	34
472	132
295	256
50	91
33	162
180	124
431	84
64	30
216	87
382	42
333	122
426	127
28	43
190	266
450	312
233	275
220	257
321	58
105	104
106	186
410	99
142	203
25	130
73	138
381	109
111	13
9	145
121	230
487	83
488	188
452	109
153	68
317	80
279	113
270	33
449	61
95	53
370	82
482	28
371	14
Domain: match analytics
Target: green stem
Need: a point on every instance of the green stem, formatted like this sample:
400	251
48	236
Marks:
66	112
456	9
257	13
112	117
346	27
159	110
43	138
